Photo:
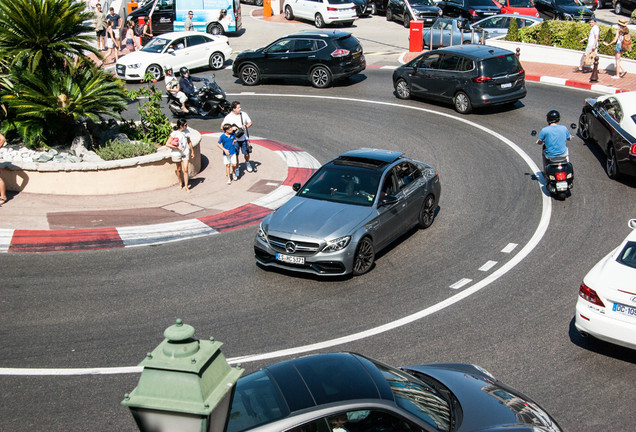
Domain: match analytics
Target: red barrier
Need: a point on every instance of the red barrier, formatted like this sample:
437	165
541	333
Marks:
416	39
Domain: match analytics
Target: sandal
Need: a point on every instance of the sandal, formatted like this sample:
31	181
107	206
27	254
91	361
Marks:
623	74
2	201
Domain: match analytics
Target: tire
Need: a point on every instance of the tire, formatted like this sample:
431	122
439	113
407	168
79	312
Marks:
462	103
249	74
217	61
374	9
427	213
611	165
584	127
389	15
407	21
364	257
618	8
402	89
225	108
320	77
319	21
561	196
156	71
215	29
289	14
258	2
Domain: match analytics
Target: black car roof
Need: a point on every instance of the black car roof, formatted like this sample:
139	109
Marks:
337	34
388	156
475	52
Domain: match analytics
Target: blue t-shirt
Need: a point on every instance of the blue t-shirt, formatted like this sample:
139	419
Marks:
555	138
228	143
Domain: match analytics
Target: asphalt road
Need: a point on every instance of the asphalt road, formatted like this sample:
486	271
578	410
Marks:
108	308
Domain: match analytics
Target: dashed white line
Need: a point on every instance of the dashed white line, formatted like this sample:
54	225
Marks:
488	266
460	283
509	247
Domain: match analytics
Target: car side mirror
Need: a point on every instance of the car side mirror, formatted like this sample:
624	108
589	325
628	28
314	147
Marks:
573	126
533	133
170	50
388	200
296	187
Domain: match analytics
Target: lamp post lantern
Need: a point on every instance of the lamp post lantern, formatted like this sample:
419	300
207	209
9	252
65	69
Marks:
186	385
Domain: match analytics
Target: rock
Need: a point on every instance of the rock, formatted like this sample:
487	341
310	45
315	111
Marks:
44	157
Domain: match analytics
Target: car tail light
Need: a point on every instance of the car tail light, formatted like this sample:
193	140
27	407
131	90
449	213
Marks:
522	72
482	79
332	9
560	176
590	295
472	12
632	150
340	53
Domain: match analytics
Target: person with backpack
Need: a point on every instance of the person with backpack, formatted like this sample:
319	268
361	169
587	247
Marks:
146	34
623	42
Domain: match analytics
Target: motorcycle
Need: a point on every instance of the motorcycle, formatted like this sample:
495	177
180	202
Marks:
558	173
210	101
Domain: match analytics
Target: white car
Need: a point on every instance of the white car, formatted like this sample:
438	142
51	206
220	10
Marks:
178	49
321	12
606	308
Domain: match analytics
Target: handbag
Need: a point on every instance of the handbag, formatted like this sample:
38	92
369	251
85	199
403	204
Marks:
626	45
589	58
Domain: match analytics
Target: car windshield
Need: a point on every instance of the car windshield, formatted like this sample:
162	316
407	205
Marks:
443	23
480	3
344	184
156	45
568	3
521	3
421	3
418	398
628	255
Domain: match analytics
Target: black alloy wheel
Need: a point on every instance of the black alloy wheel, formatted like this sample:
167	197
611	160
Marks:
319	21
288	13
407	20
258	2
402	89
373	9
320	77
249	74
215	29
611	165
389	15
364	257
618	8
462	103
427	212
584	127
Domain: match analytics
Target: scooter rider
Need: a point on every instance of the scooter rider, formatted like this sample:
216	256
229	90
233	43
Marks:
554	138
172	86
186	82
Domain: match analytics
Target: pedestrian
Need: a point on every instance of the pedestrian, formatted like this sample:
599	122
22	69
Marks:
130	36
172	86
100	27
116	20
110	41
188	22
591	50
623	43
146	34
226	143
243	121
3	187
182	151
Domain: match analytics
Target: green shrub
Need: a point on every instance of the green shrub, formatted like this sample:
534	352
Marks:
115	149
513	31
154	126
632	17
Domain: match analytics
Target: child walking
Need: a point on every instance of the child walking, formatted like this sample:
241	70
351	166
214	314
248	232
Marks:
226	144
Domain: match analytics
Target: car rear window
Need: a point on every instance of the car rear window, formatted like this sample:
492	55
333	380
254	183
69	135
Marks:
628	255
502	65
338	1
348	42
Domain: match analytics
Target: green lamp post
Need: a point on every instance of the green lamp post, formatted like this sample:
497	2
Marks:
186	385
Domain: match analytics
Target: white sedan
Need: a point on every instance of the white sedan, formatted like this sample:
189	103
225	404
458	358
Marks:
606	308
321	12
178	49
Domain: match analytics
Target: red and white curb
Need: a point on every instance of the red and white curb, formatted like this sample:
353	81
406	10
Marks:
300	166
573	83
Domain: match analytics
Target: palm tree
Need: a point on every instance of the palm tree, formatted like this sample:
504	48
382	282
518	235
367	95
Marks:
44	33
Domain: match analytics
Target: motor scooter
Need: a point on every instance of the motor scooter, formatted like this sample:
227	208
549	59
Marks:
558	173
210	101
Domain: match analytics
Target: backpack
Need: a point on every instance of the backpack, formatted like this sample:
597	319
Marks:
139	30
626	45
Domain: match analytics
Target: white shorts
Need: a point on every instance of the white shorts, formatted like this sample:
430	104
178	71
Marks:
181	96
178	156
109	43
227	160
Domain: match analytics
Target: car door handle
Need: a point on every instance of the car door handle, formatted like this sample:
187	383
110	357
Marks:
284	58
312	56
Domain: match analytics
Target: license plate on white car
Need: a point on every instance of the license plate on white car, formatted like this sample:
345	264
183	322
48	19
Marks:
624	309
506	85
562	186
290	259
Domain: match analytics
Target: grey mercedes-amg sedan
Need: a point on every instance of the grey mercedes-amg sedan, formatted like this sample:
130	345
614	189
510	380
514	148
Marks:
352	207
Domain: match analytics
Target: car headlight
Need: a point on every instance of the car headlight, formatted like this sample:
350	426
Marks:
262	232
135	66
336	244
218	96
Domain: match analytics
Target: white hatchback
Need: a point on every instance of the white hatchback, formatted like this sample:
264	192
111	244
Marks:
606	308
321	12
178	49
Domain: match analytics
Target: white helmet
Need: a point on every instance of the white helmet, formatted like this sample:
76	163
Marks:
167	67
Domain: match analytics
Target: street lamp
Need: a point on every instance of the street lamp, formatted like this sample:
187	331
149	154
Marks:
186	385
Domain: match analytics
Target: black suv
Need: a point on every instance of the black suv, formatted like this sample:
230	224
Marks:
472	10
320	56
408	10
466	75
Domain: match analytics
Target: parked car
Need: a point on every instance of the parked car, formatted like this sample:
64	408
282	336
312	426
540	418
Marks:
623	7
609	121
450	31
606	307
378	6
518	7
408	10
189	49
468	76
472	10
320	56
350	392
563	10
362	7
321	12
498	25
348	210
254	2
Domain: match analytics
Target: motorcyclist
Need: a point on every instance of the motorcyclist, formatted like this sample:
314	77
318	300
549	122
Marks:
172	86
554	138
186	82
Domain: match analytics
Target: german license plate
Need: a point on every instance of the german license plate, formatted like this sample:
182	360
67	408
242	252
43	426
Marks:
506	85
290	259
562	186
624	309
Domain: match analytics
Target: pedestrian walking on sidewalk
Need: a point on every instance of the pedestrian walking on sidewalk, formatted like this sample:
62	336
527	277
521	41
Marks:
243	121
100	27
182	151
130	37
226	143
146	34
116	20
110	42
188	22
623	43
3	187
591	50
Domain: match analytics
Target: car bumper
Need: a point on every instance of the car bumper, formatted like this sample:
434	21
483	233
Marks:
349	16
348	69
488	99
603	326
128	74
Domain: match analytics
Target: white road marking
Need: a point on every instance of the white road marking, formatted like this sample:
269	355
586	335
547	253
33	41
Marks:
509	247
5	239
460	283
145	235
538	234
488	266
